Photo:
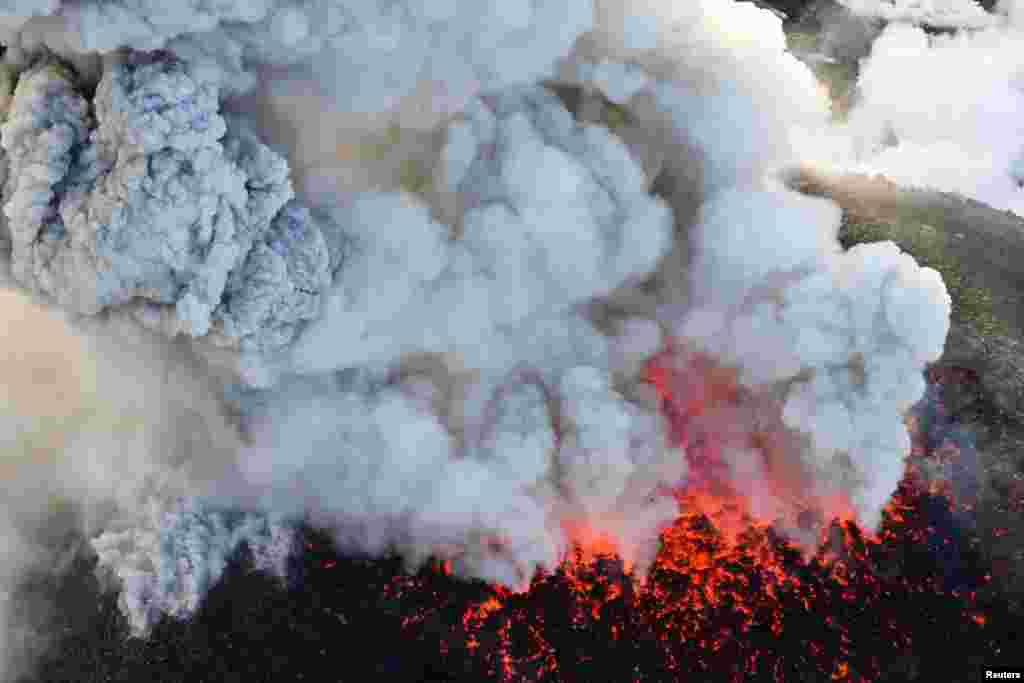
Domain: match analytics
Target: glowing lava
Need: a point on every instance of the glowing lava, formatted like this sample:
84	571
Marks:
709	413
729	598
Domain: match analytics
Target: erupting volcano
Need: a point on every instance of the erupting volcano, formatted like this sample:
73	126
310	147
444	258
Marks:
729	597
518	340
692	385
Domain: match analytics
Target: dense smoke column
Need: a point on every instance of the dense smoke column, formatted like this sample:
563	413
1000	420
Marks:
418	364
135	194
157	206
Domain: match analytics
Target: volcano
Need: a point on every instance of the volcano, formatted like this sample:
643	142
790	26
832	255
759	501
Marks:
728	597
518	340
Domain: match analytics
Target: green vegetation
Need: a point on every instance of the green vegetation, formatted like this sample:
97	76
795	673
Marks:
838	78
913	231
8	81
392	135
414	178
375	147
802	41
614	116
62	71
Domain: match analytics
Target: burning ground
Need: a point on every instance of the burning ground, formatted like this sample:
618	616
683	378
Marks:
728	599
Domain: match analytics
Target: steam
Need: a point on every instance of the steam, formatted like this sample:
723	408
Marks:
954	14
393	269
942	111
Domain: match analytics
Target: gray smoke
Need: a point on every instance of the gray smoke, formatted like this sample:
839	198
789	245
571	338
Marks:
402	287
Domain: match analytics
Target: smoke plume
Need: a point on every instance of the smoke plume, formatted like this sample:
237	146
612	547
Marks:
394	269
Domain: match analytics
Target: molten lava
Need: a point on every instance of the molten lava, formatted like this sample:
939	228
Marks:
730	597
708	413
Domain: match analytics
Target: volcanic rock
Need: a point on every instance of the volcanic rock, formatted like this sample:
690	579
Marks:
978	251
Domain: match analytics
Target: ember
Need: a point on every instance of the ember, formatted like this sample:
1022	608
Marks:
729	597
718	609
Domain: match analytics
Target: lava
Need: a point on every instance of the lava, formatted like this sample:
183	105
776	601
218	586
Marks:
730	596
703	402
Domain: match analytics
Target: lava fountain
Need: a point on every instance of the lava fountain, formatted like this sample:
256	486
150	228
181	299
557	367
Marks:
740	590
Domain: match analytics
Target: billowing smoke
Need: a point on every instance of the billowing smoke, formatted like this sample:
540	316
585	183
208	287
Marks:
939	99
100	421
393	269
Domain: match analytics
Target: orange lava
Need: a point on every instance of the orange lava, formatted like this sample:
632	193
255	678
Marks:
590	543
692	385
726	587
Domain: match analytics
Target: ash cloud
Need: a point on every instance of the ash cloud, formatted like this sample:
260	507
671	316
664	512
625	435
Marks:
156	204
406	287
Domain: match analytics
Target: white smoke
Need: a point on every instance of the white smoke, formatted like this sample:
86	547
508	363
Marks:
770	290
409	337
850	331
950	14
515	167
943	111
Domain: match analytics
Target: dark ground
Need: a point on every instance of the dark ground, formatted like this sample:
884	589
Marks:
934	598
980	252
341	622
